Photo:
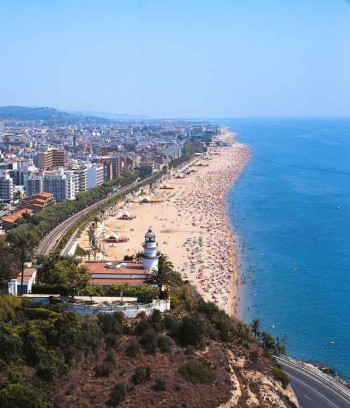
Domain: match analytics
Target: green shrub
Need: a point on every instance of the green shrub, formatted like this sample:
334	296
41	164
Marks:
38	313
141	326
144	293
11	343
111	323
141	375
110	340
170	323
83	403
281	376
104	369
159	385
254	356
165	344
117	395
22	396
8	305
196	372
189	332
149	341
110	357
220	321
175	302
92	334
133	348
51	366
156	320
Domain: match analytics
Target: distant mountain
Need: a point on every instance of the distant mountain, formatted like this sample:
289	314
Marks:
48	116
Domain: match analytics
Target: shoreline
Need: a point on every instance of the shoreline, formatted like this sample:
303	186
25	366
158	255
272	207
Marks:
191	223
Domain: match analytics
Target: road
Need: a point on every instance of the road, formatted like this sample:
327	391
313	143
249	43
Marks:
313	391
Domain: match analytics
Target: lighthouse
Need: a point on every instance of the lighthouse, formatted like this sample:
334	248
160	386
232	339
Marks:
150	257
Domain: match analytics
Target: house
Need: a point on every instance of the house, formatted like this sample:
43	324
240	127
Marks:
109	273
29	278
8	221
38	201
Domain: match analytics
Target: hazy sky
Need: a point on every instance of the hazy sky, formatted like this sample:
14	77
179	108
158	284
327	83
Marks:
168	58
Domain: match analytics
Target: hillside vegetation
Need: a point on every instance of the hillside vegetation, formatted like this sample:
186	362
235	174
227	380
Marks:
192	356
48	116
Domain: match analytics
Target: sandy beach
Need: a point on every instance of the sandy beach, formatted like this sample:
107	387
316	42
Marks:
190	224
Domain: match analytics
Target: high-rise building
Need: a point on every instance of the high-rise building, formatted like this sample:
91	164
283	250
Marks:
80	177
107	170
6	186
21	175
95	176
116	166
51	159
70	187
60	184
2	129
34	185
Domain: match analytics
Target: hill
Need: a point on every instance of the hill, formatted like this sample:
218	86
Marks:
47	116
194	356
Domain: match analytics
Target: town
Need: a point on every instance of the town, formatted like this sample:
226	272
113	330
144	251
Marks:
44	164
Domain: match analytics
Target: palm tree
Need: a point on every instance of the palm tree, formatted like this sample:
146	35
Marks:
165	263
22	242
165	274
138	256
158	277
255	326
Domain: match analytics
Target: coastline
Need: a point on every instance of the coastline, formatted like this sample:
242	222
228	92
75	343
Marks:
191	224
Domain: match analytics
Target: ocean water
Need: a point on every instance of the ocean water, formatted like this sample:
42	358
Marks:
291	211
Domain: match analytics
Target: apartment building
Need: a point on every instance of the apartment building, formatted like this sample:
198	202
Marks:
116	166
60	184
107	170
34	185
95	175
80	176
51	159
6	186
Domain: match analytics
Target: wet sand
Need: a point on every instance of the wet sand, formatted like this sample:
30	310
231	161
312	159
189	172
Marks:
190	224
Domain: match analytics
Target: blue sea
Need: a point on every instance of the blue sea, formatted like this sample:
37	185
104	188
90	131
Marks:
291	211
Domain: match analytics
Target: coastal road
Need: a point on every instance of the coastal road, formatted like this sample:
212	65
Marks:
314	391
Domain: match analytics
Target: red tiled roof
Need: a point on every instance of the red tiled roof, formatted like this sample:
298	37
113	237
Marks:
16	215
45	194
28	273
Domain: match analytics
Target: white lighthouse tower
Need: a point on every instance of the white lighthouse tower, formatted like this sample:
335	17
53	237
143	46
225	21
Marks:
150	257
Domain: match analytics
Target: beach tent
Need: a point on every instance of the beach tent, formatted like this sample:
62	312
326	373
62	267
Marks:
113	238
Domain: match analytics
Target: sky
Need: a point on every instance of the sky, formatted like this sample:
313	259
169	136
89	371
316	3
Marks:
178	58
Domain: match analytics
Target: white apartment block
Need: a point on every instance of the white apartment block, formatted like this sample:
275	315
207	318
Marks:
95	176
61	185
6	186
